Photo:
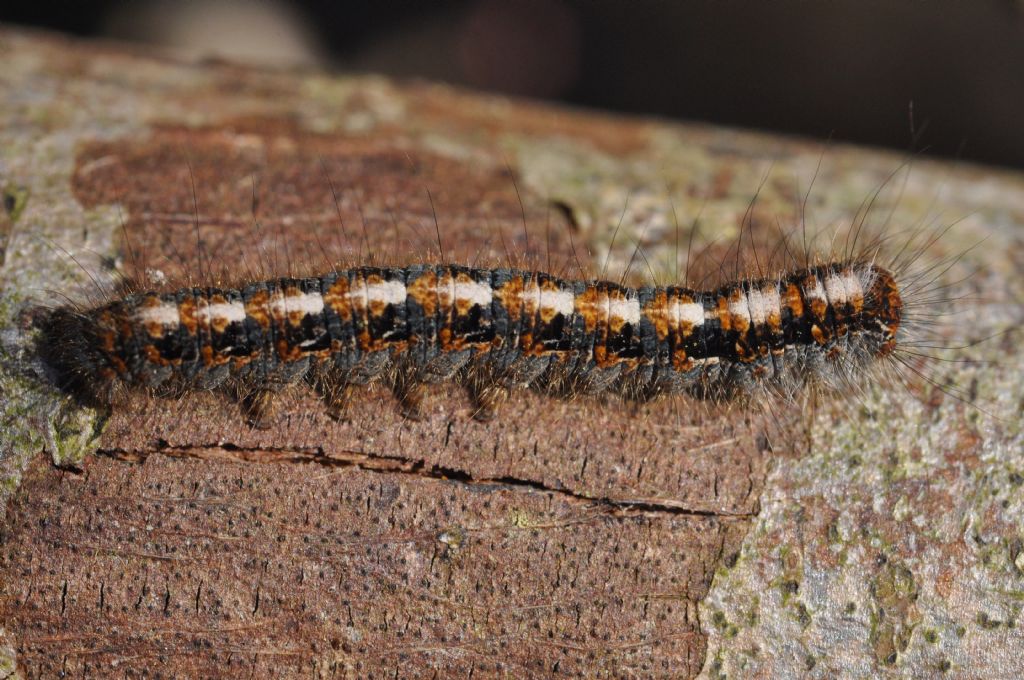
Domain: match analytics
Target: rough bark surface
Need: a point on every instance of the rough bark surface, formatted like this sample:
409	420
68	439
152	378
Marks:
572	538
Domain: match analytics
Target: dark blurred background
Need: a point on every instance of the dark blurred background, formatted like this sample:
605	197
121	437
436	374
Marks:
943	77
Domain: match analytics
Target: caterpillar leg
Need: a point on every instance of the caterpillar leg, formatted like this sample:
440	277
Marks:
487	401
486	391
335	391
410	392
338	400
260	408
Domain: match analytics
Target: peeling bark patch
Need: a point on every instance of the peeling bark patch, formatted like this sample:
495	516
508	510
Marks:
329	197
282	568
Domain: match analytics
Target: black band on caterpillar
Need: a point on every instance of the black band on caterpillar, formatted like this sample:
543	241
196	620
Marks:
517	328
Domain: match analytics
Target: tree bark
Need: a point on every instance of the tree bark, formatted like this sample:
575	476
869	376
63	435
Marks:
868	536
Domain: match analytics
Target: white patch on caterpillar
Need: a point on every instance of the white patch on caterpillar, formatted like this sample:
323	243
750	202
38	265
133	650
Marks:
560	301
165	314
852	285
738	308
815	293
304	303
626	309
229	312
556	301
388	292
446	291
835	288
473	292
757	304
531	298
772	302
691	313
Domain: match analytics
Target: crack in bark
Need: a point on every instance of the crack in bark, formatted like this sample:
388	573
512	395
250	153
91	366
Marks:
388	464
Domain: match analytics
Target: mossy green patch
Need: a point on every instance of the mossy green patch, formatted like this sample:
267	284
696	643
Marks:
752	616
719	621
788	582
986	622
75	431
802	615
34	416
8	664
894	613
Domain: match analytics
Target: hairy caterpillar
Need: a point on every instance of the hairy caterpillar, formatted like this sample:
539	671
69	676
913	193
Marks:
830	320
494	328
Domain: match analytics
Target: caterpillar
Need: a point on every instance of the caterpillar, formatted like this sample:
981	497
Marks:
494	329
